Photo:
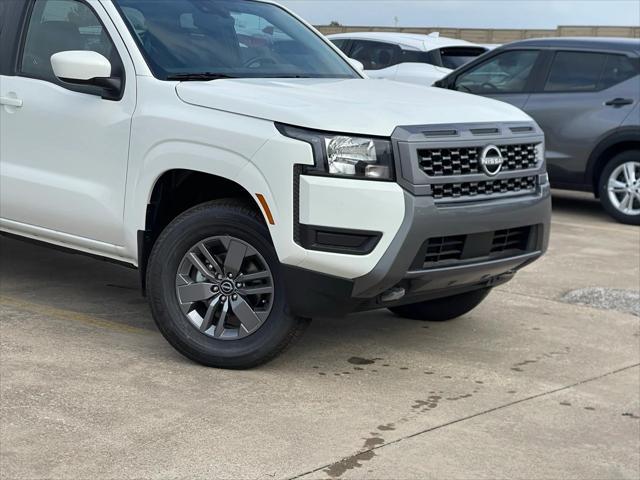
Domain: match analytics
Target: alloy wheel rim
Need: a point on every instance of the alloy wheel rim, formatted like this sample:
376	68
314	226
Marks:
624	188
225	288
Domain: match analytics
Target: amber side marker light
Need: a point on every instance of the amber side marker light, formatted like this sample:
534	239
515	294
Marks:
265	207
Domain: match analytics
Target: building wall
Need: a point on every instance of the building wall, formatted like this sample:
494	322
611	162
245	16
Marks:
479	35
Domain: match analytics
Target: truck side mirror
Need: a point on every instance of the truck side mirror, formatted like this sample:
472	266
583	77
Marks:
80	67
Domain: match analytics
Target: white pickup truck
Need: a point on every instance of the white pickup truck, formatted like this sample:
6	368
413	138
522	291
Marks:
252	174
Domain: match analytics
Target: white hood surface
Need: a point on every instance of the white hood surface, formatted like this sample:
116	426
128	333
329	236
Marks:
358	106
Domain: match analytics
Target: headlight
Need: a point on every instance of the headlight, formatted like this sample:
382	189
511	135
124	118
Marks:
346	156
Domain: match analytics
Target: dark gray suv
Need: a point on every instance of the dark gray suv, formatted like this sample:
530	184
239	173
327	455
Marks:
585	94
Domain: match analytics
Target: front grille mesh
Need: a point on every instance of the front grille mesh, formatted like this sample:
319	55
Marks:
519	157
484	188
449	161
444	251
442	162
440	249
512	239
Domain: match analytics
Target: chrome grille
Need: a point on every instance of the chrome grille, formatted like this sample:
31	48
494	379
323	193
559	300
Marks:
485	188
440	162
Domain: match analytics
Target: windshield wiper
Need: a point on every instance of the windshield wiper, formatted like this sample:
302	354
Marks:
201	76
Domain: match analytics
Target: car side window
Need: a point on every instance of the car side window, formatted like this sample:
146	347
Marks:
617	69
416	56
376	55
340	43
58	26
575	72
507	72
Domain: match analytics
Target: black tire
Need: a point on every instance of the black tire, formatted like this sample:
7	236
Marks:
442	309
217	218
614	163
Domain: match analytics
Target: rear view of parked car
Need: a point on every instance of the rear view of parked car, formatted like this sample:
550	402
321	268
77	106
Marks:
405	57
585	95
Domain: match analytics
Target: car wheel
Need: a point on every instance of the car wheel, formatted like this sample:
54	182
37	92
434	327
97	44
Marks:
442	309
620	187
215	288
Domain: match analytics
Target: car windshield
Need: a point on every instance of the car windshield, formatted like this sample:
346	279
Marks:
202	39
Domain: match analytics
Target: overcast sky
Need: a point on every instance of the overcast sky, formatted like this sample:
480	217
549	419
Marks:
469	13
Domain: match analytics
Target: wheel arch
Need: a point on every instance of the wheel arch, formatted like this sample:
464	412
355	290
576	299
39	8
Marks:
176	191
627	138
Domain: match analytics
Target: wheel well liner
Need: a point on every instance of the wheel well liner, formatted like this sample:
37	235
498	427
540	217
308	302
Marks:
175	192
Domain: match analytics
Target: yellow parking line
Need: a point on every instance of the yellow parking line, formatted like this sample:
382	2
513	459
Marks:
68	315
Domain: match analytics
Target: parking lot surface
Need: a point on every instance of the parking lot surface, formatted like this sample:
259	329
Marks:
541	381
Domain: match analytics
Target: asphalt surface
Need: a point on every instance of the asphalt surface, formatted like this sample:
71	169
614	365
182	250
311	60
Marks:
541	381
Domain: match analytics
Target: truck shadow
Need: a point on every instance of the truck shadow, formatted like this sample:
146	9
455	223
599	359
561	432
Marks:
579	205
71	282
45	279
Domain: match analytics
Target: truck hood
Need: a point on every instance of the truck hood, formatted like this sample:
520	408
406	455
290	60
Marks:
359	106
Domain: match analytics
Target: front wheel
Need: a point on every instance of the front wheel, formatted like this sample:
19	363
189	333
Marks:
620	187
442	309
215	288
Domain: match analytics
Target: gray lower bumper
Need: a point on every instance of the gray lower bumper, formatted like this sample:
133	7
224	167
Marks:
425	219
311	294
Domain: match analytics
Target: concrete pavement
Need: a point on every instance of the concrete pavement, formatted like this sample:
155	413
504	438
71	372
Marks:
526	386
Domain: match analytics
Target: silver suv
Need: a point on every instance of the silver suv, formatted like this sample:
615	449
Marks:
585	94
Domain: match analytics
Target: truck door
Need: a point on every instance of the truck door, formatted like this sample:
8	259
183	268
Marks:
65	153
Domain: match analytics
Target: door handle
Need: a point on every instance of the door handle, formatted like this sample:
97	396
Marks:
11	102
619	102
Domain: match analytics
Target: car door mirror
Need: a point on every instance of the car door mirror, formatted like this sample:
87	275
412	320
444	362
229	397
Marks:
357	64
80	67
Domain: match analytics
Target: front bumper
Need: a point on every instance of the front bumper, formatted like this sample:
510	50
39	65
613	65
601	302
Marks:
396	280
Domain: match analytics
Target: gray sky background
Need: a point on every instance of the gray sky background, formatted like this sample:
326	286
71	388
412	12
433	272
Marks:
469	13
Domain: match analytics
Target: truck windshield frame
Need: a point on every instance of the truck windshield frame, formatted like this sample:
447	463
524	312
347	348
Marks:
196	39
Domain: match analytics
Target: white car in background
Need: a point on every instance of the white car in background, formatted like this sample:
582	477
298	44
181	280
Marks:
407	57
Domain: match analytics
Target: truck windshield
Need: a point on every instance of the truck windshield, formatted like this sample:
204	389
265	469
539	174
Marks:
210	39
